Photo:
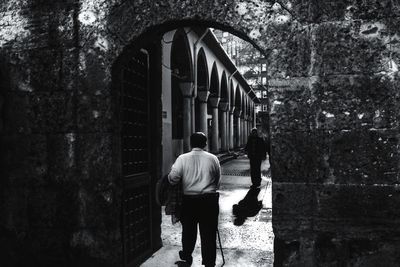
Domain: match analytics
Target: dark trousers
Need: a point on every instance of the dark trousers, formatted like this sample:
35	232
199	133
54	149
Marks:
255	171
200	210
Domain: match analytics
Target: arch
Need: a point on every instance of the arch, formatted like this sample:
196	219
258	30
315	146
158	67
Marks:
179	46
224	88
232	95
181	71
202	84
238	98
214	82
181	60
202	71
142	37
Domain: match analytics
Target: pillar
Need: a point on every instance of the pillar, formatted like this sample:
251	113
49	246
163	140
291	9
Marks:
238	134
254	118
214	126
231	135
193	112
187	90
246	129
224	129
202	96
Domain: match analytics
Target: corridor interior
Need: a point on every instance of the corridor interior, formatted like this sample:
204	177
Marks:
245	242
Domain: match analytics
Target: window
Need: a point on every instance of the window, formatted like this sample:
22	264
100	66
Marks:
264	94
264	81
263	67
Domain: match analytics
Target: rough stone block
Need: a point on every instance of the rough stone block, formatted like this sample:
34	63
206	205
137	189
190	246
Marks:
355	101
54	206
61	157
95	154
360	156
350	48
291	106
370	253
95	113
293	59
45	112
294	252
24	158
292	200
356	210
317	11
38	70
366	156
295	157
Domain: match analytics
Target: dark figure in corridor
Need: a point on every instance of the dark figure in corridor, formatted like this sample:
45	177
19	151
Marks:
200	173
249	206
256	150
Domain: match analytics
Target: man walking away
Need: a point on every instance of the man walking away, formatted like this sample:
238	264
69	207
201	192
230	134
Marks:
256	152
200	173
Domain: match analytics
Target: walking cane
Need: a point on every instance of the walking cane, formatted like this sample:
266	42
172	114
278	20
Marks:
220	247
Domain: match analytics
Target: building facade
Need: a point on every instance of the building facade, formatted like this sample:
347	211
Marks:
253	66
202	91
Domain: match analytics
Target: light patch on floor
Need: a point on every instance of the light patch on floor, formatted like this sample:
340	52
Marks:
250	244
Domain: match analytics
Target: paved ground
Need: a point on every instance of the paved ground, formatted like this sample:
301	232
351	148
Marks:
247	245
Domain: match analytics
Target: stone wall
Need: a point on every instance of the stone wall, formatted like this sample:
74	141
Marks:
333	123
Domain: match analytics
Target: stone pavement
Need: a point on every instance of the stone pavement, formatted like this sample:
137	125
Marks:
247	245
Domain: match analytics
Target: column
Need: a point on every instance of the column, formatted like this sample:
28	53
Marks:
246	129
214	101
202	96
193	112
187	90
223	106
242	128
238	134
254	118
231	135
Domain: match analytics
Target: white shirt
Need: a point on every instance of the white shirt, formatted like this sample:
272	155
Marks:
199	171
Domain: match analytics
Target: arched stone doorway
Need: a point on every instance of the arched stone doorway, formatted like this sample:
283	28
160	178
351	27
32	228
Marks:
208	89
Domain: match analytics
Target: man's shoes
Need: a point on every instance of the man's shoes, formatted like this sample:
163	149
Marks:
185	260
182	264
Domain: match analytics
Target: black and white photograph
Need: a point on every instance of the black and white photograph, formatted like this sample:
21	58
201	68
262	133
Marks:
177	133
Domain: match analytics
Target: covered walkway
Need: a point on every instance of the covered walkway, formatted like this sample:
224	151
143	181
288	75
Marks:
249	244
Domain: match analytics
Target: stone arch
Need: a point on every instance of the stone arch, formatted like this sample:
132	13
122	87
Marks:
231	94
152	33
238	98
181	71
202	87
215	88
224	88
202	71
181	59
